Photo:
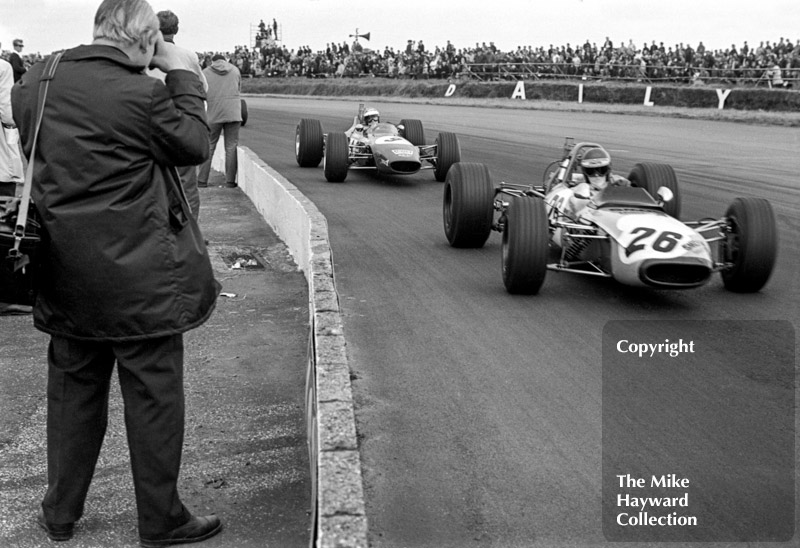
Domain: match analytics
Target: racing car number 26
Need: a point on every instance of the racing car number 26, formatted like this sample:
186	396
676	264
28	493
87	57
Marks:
663	243
648	238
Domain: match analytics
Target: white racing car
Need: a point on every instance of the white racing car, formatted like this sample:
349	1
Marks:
628	231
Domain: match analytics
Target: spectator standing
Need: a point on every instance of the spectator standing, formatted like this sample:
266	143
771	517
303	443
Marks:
124	268
774	77
10	161
168	22
224	116
16	60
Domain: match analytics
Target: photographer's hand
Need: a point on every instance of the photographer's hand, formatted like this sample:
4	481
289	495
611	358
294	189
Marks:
167	57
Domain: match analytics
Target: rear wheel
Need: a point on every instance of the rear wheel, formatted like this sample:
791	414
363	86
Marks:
308	143
751	245
651	177
525	245
244	112
448	152
413	132
467	208
337	155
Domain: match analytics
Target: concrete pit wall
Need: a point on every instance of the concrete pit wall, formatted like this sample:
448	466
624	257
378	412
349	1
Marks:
339	517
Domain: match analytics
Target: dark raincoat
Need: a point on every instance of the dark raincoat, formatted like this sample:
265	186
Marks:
123	259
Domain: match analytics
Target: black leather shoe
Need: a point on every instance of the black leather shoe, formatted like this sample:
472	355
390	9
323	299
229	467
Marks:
194	530
56	531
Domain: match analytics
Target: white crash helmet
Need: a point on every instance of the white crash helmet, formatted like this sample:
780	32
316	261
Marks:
371	115
596	167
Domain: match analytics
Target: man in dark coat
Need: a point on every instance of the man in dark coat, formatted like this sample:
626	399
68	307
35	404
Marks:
124	269
16	60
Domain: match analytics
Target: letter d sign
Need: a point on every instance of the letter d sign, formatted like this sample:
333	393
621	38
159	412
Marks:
451	89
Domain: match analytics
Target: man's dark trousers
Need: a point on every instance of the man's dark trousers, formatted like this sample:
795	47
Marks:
151	380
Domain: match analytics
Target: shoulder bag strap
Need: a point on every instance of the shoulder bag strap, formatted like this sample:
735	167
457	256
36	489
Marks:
25	200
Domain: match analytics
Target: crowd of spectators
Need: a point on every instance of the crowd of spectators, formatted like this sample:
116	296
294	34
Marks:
768	62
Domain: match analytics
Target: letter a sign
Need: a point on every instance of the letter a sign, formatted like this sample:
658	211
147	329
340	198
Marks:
519	91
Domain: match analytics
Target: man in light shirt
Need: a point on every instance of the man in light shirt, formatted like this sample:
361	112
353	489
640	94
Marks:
168	22
10	159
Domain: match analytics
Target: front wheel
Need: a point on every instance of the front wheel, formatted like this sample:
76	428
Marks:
467	208
413	132
337	156
525	245
448	152
651	177
308	143
751	245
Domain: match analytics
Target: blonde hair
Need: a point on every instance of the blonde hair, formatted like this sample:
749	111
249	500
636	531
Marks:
127	22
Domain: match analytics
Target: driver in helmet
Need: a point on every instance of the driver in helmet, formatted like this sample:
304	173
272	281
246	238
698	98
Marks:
595	166
368	120
371	116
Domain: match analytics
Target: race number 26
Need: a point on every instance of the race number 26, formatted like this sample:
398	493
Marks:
663	243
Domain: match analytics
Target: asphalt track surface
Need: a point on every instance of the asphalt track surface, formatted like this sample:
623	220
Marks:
480	414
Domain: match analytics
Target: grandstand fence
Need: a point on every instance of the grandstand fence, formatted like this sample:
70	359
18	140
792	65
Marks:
766	76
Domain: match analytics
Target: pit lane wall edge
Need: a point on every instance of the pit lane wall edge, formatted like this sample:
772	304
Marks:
338	512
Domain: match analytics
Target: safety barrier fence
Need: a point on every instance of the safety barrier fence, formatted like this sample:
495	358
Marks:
767	77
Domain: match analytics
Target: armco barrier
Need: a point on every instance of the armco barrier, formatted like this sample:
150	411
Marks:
339	518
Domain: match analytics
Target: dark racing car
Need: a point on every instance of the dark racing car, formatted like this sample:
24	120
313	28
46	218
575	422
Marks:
397	149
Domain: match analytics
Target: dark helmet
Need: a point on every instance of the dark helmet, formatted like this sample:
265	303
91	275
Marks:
596	167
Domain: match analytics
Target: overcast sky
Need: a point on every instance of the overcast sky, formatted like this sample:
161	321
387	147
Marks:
215	25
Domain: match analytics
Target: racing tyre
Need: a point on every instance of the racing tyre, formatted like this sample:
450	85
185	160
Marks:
337	154
413	132
525	245
448	152
651	177
751	245
244	112
468	207
308	143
